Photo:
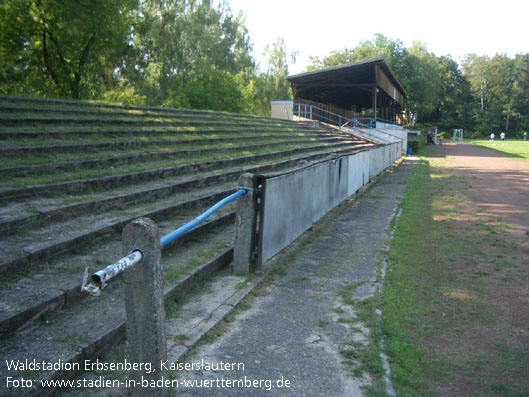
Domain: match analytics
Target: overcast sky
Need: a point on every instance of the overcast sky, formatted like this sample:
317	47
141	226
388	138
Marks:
448	27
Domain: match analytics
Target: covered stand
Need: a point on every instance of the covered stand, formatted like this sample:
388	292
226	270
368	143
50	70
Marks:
355	90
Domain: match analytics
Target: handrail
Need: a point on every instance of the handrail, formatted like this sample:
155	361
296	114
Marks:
362	122
94	284
170	237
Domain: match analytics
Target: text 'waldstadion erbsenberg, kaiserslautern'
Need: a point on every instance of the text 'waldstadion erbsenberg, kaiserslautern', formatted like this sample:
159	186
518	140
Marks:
89	365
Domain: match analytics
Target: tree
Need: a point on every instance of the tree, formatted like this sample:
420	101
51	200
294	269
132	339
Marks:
214	89
454	109
420	77
62	48
272	84
520	91
380	46
177	41
500	87
476	71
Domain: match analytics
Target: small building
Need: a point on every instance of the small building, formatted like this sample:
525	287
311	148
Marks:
282	109
366	89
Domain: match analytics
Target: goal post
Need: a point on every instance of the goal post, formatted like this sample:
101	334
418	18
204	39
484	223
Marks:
458	135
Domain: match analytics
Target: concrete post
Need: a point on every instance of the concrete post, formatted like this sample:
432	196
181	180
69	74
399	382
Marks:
144	304
245	227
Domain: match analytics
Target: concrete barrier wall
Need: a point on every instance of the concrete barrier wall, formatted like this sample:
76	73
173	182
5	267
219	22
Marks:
294	201
358	171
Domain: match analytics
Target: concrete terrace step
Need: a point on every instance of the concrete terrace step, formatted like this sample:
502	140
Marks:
50	105
39	211
41	243
56	284
85	214
88	131
33	253
143	114
156	155
74	335
120	144
10	121
123	179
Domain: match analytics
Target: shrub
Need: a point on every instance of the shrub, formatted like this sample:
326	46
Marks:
416	144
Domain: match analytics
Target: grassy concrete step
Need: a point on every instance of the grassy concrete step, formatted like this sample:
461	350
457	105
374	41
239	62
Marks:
88	132
169	140
135	177
59	122
121	112
36	103
29	293
53	238
15	260
76	335
161	153
133	114
42	211
19	217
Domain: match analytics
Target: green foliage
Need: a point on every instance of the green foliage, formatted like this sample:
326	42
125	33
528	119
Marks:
213	89
197	53
416	144
62	49
485	95
124	95
272	84
176	43
499	87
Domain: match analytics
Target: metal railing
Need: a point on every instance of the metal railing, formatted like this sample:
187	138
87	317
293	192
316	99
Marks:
94	284
312	112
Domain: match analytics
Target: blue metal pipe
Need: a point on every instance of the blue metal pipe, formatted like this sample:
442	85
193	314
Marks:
168	238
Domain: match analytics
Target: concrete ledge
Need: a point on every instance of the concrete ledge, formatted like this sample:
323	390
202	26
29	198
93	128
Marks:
150	111
70	294
55	214
105	121
121	160
74	148
116	180
128	131
116	333
49	249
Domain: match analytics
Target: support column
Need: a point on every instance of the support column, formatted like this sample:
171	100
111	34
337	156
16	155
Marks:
144	304
245	225
375	102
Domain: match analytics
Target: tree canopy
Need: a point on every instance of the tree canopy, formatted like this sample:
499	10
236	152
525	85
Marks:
483	95
197	53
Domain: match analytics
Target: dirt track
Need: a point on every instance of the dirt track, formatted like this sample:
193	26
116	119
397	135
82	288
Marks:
499	183
498	193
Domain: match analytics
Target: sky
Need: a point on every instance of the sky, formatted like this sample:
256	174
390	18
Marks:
448	27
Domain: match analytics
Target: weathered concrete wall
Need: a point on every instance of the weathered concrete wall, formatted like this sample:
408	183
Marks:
282	109
358	171
294	201
398	133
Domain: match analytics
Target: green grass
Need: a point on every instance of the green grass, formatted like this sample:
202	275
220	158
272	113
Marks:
9	160
103	171
517	149
172	274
